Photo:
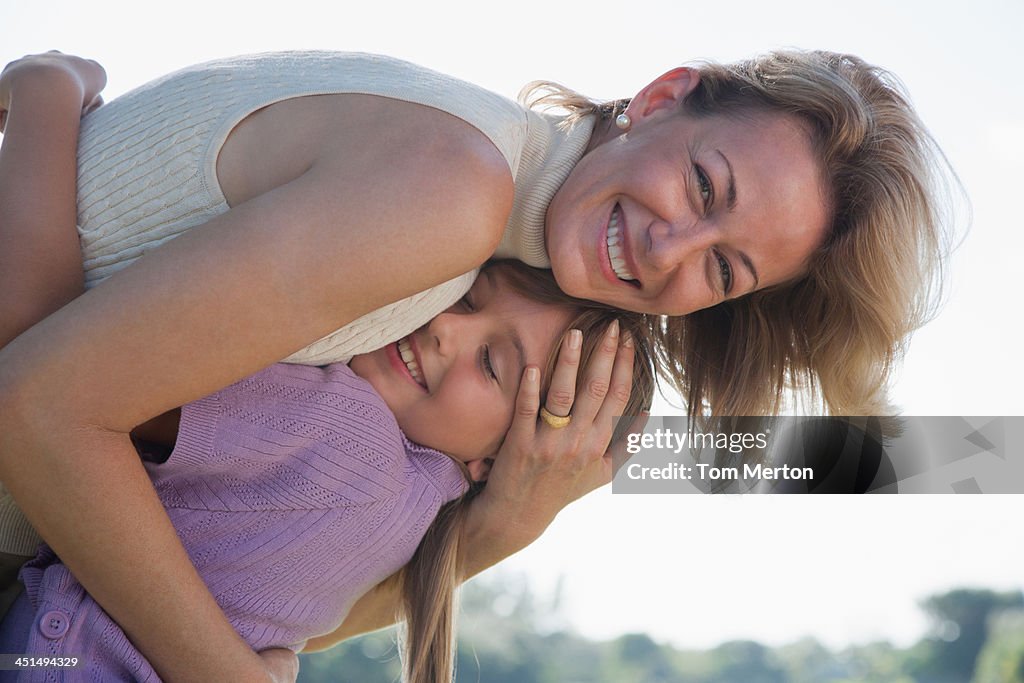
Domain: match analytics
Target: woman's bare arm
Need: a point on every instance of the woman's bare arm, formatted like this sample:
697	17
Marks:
205	310
40	264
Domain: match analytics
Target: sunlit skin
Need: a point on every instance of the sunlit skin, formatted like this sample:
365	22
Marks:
472	364
689	242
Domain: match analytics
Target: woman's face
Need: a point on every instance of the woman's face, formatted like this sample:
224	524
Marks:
452	384
683	212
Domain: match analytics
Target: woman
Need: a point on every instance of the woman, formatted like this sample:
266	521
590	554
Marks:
679	195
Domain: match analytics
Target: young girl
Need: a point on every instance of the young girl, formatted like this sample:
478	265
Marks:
299	488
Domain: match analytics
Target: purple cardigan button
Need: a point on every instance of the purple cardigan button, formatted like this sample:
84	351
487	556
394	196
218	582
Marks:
54	624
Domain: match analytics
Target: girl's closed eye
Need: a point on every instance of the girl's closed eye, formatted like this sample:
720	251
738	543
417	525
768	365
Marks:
486	365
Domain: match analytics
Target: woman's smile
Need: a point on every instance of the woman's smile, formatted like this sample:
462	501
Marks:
615	254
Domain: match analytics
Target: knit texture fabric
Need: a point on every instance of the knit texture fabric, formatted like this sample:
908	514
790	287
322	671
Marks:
147	164
293	491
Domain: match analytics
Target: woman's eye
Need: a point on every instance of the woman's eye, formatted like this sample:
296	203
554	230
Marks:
486	363
725	272
707	192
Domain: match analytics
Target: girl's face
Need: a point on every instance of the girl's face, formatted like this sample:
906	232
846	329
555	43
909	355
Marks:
452	384
680	212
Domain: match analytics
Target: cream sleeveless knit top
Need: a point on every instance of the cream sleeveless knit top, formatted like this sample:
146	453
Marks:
147	165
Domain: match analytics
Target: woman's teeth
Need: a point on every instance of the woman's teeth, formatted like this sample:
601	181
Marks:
614	240
409	358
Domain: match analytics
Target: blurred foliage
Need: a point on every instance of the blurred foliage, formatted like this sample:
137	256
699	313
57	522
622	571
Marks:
509	635
1002	658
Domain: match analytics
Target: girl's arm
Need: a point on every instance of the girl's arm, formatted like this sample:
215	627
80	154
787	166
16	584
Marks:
40	258
211	307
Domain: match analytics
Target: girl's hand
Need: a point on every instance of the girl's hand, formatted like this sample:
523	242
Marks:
540	468
281	663
49	71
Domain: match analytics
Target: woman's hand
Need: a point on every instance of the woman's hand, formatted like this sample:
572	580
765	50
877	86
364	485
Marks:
47	72
540	468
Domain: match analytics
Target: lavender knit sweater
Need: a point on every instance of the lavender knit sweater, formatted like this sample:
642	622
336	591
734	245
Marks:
293	492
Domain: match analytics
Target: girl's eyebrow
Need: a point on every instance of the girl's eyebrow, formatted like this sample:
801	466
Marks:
517	342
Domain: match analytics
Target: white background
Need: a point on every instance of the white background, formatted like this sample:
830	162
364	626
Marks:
699	570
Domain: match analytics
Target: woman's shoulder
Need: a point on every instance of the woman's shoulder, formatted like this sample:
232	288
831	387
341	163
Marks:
315	72
427	166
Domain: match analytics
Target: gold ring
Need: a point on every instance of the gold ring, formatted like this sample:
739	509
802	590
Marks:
554	421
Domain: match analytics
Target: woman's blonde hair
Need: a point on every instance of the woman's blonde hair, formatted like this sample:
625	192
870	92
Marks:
830	338
430	578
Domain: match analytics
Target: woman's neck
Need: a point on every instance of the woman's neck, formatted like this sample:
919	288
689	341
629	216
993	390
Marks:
549	154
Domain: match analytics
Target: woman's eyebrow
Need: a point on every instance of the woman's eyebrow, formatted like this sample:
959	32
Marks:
730	204
730	193
750	266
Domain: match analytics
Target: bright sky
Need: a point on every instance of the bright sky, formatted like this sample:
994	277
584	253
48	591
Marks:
696	570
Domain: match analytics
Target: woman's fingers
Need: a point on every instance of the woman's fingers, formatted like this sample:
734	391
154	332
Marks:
621	383
562	391
524	422
597	378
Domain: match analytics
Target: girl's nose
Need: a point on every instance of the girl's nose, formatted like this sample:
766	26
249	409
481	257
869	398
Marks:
449	330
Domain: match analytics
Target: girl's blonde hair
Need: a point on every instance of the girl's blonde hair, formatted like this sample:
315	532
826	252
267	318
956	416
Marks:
828	340
430	578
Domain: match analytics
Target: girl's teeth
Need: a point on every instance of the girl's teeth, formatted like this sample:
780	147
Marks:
405	351
614	241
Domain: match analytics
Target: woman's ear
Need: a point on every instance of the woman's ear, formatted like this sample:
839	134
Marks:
480	468
664	93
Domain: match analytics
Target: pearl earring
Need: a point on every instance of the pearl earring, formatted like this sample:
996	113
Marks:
623	121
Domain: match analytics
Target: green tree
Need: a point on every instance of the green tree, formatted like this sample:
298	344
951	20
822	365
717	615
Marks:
808	661
369	659
745	661
960	622
1002	658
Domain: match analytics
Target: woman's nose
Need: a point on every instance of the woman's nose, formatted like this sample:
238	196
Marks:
672	243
